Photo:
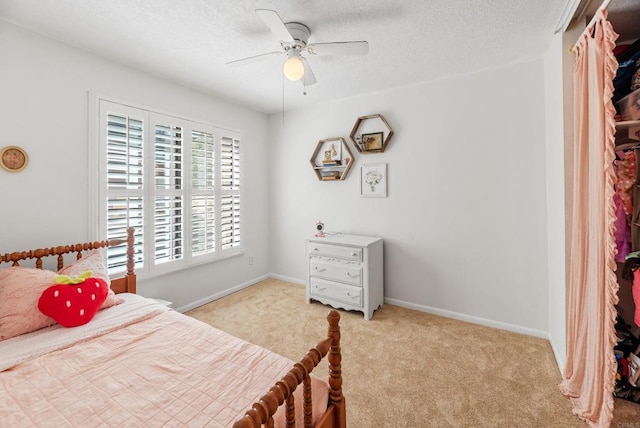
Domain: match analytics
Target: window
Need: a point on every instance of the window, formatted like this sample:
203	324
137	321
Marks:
176	181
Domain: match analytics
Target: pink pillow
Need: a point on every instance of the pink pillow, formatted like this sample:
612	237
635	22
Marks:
93	261
20	289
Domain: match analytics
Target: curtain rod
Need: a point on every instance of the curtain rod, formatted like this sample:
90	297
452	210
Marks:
603	6
591	23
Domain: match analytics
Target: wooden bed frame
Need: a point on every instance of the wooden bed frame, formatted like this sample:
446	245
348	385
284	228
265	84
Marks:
261	413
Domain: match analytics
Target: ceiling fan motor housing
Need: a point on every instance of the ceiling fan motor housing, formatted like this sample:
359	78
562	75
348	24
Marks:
299	32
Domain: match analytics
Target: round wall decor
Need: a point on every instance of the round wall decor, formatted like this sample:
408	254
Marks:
13	158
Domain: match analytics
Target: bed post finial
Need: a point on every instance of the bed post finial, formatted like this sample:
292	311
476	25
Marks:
130	243
335	369
131	278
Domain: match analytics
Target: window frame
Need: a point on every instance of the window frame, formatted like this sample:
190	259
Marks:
98	192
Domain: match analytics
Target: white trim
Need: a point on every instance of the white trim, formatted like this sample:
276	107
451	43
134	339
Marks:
287	278
470	318
556	354
426	309
567	15
221	294
115	100
450	314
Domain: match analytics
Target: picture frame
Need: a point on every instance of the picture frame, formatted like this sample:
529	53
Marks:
372	142
373	180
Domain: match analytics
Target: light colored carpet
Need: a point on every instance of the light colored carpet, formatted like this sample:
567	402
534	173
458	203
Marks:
405	368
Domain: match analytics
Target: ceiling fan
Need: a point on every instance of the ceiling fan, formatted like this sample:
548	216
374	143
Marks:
294	37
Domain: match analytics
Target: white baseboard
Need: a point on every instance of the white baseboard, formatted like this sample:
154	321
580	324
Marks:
288	279
462	317
422	308
470	318
221	294
556	354
455	315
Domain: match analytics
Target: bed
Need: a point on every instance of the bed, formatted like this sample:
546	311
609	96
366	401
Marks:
139	363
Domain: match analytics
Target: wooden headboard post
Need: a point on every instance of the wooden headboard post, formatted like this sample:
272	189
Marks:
335	371
131	276
123	284
126	283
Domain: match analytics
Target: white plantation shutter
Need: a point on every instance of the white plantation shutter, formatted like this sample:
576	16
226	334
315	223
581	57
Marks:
203	193
230	189
122	213
124	182
168	213
178	182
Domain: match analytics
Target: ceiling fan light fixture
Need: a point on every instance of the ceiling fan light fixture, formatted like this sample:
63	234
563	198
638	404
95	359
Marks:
293	68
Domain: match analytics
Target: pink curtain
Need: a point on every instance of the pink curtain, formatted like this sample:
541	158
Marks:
589	375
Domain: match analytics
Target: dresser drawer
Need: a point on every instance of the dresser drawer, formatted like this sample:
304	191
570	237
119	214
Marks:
347	253
342	293
336	269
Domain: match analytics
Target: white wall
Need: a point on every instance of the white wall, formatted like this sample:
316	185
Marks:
553	64
464	222
43	106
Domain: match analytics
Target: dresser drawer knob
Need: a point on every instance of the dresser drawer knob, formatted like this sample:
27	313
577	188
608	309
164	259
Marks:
316	249
320	288
354	254
319	269
351	295
350	275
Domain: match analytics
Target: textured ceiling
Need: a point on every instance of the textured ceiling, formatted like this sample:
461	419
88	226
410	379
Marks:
189	41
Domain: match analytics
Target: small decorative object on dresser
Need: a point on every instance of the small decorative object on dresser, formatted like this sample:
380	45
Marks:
319	230
346	271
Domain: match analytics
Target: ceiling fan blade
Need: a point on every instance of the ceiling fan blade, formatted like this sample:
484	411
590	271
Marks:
339	48
255	58
275	23
308	78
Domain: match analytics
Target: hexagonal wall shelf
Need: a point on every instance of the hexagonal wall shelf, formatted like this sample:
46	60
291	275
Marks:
331	159
368	134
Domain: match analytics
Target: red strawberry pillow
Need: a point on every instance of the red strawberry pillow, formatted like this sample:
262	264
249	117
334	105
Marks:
73	301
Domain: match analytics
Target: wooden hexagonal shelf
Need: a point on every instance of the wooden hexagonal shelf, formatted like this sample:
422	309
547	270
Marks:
368	135
331	159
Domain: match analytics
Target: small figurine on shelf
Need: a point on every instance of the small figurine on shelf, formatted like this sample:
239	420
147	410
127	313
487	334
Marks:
334	152
320	229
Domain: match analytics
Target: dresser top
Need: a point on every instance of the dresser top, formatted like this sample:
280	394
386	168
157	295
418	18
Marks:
346	239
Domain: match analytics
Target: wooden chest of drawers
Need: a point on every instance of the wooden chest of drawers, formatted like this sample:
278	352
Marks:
346	271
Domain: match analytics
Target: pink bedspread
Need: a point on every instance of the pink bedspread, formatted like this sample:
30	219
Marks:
166	370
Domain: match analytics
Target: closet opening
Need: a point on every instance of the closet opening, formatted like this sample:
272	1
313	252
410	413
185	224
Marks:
626	100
